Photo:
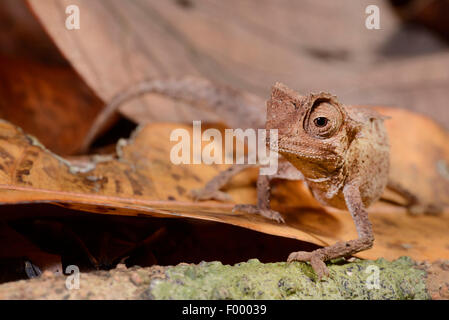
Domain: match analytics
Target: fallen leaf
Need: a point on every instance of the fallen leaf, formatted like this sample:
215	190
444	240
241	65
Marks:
226	42
141	181
48	101
21	35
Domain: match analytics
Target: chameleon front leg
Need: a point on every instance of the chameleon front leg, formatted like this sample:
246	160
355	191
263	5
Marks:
341	249
212	192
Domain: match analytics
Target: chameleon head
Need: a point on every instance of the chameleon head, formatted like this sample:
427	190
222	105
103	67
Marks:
314	131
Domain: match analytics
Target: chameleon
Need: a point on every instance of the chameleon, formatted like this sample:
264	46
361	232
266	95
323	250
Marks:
340	152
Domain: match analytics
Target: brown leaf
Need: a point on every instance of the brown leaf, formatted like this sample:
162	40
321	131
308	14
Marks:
48	101
120	43
143	181
21	35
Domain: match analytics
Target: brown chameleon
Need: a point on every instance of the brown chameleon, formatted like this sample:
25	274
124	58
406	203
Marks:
340	152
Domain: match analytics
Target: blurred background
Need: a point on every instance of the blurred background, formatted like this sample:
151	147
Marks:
247	44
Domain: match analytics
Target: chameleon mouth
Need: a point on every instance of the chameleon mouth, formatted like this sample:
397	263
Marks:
301	151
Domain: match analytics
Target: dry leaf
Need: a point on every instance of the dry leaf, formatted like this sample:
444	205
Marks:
120	43
49	102
143	181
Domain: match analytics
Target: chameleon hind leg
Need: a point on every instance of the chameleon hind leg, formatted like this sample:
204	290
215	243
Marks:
415	205
211	190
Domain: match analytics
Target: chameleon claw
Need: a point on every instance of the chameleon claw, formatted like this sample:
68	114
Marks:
423	209
303	256
316	261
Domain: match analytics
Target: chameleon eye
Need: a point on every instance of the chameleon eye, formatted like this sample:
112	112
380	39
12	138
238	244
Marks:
320	121
323	120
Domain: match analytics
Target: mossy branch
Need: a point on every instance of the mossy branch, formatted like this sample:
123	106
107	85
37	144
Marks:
400	279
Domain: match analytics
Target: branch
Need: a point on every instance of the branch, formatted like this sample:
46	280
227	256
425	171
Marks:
400	279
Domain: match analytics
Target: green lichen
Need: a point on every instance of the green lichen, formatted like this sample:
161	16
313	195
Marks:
255	280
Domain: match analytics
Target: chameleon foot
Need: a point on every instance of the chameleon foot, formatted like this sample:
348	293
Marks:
205	194
267	213
315	258
427	209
